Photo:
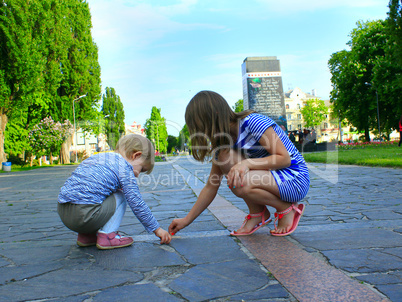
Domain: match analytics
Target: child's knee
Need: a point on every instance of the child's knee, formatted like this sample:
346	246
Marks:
241	191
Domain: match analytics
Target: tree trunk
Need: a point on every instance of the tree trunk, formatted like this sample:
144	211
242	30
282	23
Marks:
3	123
65	151
367	134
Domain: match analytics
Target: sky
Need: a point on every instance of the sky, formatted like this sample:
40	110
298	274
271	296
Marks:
162	52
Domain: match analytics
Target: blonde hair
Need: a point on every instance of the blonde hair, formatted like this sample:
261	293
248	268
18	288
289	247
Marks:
131	143
208	118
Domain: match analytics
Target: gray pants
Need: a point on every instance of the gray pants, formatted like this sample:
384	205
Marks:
87	218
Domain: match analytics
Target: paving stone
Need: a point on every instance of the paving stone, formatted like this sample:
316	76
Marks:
363	260
205	264
392	291
384	278
74	299
3	262
199	226
138	256
270	292
199	250
27	253
66	282
138	292
18	273
385	215
396	251
350	238
211	281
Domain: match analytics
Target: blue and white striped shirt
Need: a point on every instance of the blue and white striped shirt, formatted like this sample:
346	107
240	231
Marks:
293	182
101	175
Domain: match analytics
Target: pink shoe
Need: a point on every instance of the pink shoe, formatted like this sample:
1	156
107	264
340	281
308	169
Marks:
258	226
86	239
112	241
299	210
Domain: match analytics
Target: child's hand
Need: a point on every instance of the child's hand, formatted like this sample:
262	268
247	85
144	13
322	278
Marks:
236	175
177	225
163	235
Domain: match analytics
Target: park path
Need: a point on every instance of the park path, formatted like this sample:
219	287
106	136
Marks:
348	246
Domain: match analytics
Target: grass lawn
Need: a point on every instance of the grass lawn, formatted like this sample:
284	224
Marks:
16	168
386	154
371	154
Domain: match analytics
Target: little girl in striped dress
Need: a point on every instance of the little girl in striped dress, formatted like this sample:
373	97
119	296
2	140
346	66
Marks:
261	164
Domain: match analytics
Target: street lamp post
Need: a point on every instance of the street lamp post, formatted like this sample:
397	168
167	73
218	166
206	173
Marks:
75	130
378	109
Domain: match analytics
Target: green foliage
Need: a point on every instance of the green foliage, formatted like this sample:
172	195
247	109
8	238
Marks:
172	143
47	59
394	28
155	130
184	138
113	111
238	107
20	60
314	112
16	138
369	60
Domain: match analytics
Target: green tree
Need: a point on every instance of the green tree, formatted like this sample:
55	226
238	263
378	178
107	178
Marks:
75	57
352	70
155	130
389	74
394	28
21	62
16	138
47	59
172	143
238	107
314	112
113	112
184	138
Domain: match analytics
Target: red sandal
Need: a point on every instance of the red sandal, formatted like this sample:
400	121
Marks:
299	212
260	225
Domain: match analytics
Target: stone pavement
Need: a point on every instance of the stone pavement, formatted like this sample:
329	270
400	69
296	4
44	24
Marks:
348	246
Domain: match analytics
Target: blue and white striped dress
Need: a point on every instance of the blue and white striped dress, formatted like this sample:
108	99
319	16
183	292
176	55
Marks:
101	175
293	181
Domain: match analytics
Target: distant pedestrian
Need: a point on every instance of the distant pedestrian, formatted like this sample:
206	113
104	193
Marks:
300	135
292	137
400	131
306	136
261	164
313	136
93	200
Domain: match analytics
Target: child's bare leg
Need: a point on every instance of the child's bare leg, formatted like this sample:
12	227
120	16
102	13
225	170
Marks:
259	189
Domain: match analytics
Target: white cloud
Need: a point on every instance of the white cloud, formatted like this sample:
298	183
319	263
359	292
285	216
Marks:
291	6
117	25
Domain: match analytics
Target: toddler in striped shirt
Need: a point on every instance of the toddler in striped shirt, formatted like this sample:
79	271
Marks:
93	200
